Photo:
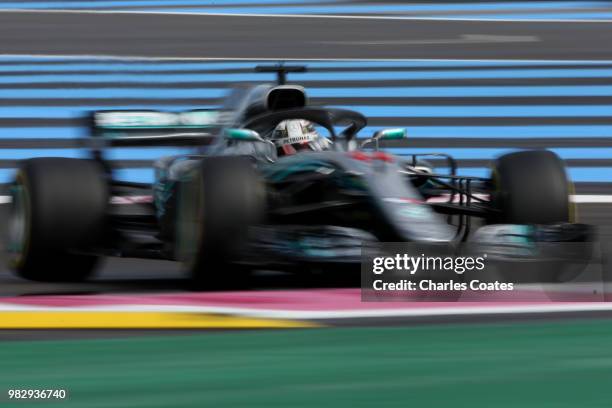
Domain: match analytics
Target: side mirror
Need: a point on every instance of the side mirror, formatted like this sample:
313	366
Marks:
390	134
243	135
386	134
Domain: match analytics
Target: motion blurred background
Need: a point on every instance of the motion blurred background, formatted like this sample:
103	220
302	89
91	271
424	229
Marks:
472	79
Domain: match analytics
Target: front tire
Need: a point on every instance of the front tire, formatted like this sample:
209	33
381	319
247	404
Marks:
531	187
216	205
57	213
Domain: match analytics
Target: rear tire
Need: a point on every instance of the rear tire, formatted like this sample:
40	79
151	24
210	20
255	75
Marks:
215	208
531	187
58	211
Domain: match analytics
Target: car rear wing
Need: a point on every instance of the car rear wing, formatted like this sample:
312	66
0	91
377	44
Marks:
156	128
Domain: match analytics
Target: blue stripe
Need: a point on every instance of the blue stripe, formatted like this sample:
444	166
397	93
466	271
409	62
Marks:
523	132
141	153
489	153
471	74
141	93
43	132
576	174
575	15
65	112
6	175
21	154
75	112
461	91
586	174
313	76
152	153
382	8
126	66
143	175
374	92
482	132
138	175
134	78
147	153
484	111
593	174
497	132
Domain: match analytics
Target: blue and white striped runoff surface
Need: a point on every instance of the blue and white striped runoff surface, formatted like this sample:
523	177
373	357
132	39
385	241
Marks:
474	110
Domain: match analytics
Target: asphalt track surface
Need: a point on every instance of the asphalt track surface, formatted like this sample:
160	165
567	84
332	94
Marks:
278	37
191	36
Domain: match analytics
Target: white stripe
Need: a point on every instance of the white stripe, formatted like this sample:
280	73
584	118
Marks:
579	199
456	310
327	16
592	199
444	198
117	200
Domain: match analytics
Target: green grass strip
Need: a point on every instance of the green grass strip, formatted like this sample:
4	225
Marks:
560	364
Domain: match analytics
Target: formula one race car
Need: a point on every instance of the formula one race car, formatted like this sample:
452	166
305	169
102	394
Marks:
272	183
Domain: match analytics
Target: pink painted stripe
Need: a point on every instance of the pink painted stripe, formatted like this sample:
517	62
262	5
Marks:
292	300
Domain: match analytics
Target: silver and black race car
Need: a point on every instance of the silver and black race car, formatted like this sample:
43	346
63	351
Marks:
272	183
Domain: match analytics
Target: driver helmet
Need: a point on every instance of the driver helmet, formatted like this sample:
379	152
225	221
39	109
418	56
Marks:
294	135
